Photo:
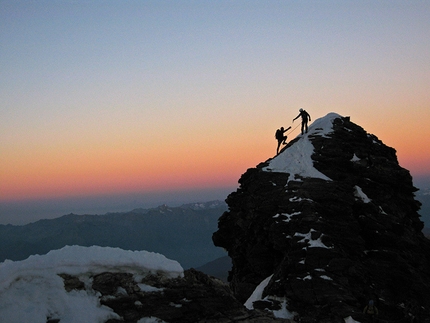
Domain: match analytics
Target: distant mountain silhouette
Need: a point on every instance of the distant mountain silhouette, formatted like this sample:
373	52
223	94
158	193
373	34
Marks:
424	197
218	268
180	233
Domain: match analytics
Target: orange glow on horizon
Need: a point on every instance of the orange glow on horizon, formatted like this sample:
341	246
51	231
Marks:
184	163
125	171
179	100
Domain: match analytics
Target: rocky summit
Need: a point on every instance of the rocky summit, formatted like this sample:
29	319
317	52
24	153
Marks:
327	225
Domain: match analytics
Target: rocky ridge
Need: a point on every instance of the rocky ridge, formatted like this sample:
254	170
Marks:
195	297
112	285
328	224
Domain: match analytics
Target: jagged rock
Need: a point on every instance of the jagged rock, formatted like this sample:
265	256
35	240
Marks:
193	298
334	240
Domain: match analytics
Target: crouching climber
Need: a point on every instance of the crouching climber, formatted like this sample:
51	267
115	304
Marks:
279	135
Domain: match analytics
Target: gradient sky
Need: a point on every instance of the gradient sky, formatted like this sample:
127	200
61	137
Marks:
106	97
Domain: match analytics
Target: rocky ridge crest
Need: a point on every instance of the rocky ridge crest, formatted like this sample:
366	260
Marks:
329	223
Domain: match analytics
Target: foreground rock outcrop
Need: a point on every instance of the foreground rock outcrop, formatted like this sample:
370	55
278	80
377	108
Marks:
328	224
195	297
111	285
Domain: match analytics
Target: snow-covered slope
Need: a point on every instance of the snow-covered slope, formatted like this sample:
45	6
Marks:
296	159
32	290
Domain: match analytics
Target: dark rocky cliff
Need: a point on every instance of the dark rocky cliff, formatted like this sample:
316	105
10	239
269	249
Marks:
331	222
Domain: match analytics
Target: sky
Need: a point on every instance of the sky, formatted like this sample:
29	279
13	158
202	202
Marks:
146	101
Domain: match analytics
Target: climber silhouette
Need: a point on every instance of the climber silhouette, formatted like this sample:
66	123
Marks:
305	118
279	135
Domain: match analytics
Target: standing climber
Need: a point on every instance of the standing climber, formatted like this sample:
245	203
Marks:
279	135
305	118
371	311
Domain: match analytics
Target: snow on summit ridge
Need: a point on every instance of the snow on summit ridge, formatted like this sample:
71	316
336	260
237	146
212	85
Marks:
296	158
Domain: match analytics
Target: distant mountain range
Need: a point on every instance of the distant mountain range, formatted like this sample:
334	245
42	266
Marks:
181	233
424	197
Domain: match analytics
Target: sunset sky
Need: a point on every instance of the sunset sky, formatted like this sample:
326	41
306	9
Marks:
119	97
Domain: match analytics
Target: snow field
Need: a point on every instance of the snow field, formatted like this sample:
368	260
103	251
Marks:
32	291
